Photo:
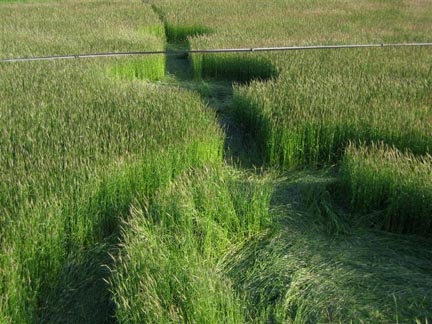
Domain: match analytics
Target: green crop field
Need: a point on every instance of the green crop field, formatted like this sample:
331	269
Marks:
271	187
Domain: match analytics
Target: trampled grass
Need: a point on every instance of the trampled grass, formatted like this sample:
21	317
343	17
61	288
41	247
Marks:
301	277
115	205
312	265
173	245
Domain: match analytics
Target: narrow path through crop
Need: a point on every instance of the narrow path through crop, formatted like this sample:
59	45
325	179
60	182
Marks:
240	147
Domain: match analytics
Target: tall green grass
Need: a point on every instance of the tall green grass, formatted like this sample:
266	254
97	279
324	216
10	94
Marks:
90	155
40	30
75	153
146	67
317	101
79	145
324	100
179	33
395	186
263	23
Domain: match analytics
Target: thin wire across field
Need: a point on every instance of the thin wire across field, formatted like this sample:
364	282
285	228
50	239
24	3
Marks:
209	51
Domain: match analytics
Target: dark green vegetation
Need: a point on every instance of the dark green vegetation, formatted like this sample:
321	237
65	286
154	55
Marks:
397	186
116	202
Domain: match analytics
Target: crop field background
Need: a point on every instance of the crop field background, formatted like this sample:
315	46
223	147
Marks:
287	187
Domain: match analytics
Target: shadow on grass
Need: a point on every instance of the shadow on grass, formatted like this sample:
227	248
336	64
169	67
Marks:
82	293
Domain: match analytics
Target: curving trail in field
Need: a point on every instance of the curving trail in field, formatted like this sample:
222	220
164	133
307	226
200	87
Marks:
317	264
205	224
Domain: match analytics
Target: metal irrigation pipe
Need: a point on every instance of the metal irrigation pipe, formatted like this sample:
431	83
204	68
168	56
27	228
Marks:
221	50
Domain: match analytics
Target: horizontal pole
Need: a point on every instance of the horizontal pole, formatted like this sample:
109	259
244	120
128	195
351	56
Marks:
209	51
